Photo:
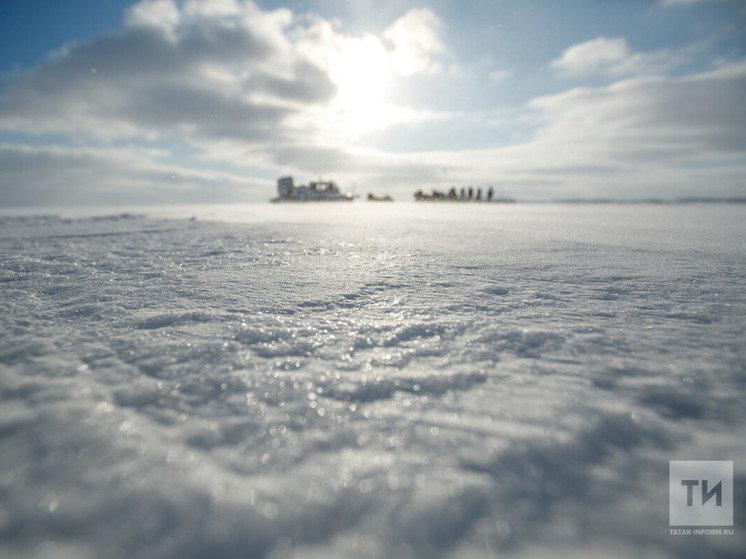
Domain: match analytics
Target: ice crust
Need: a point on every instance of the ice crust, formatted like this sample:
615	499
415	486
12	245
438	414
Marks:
367	381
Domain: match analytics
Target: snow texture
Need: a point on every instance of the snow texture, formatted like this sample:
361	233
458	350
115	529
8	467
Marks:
367	380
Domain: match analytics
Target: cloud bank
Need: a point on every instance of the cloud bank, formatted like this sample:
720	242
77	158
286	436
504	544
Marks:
613	58
644	137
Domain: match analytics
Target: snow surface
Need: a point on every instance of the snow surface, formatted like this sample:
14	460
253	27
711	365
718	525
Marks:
367	380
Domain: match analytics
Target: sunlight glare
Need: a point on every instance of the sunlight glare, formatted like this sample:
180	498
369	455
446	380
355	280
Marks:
362	72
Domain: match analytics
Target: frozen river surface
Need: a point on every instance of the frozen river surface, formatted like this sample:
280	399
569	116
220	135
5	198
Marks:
368	380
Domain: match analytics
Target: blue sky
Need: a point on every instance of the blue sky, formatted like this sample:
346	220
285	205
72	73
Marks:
112	102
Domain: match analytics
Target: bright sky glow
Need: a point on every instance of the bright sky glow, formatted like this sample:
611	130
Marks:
186	101
361	73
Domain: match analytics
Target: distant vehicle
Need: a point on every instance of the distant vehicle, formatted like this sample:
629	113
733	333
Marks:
420	196
319	191
385	198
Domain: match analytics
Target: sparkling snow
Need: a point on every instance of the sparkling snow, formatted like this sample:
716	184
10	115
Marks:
367	380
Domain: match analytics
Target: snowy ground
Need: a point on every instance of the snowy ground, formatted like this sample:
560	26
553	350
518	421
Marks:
368	380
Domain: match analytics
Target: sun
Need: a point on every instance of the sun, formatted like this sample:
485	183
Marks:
362	73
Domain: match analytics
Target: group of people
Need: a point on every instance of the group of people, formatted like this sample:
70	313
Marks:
464	194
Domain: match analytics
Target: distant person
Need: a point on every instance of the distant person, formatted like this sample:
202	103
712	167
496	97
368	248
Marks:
471	193
463	193
490	194
479	194
452	193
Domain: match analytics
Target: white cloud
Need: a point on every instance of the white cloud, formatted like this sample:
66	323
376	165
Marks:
612	57
415	42
592	56
209	8
161	14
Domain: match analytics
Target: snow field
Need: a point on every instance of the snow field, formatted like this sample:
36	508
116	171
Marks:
370	381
